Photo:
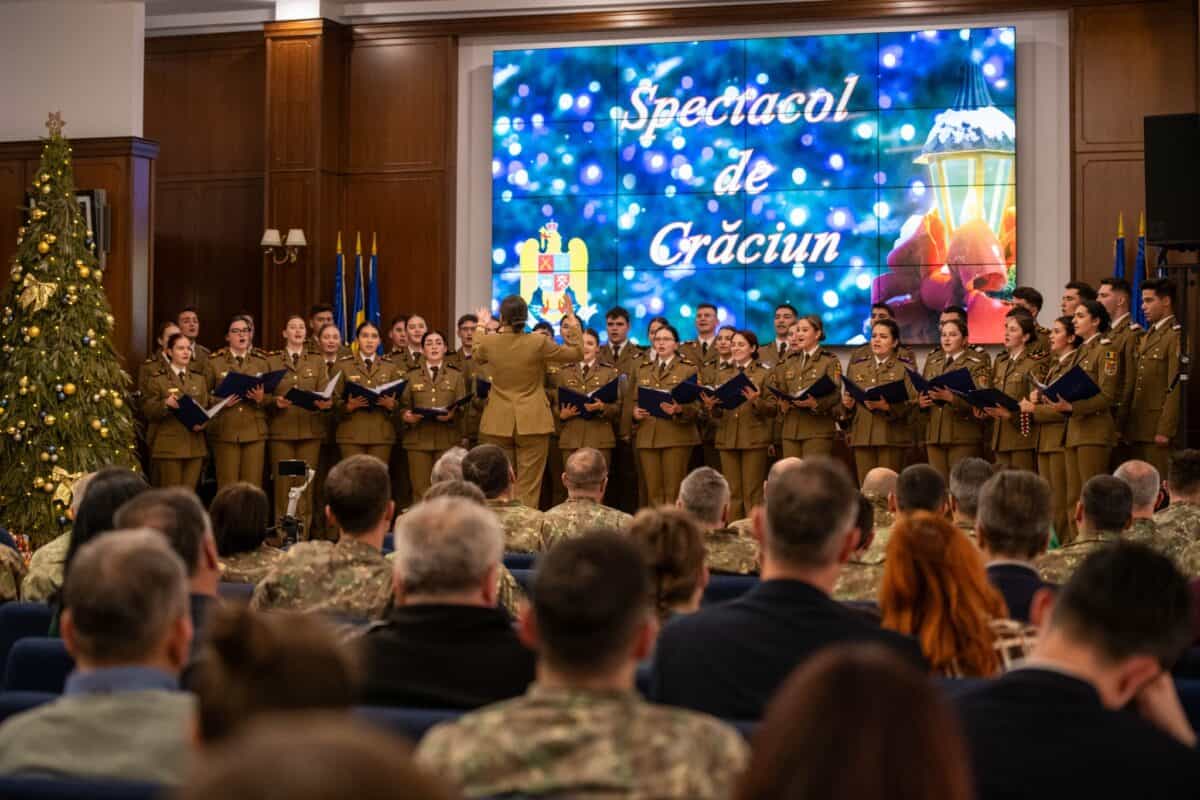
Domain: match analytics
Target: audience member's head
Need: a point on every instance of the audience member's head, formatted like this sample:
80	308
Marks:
253	663
1121	620
672	544
1106	504
240	515
1183	476
358	496
879	484
935	589
448	550
704	494
586	474
849	707
127	604
104	494
920	487
270	760
487	467
591	616
177	515
78	489
1144	483
808	522
458	488
448	467
966	481
1014	517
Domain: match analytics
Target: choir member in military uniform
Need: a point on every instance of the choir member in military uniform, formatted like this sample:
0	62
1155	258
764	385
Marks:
1091	429
665	445
807	426
409	356
330	347
363	427
1051	424
624	355
238	434
517	415
1116	296
1031	300
1013	441
461	359
743	434
176	453
320	315
882	311
773	354
189	322
159	361
880	432
1154	413
702	350
295	433
707	455
585	377
952	432
434	384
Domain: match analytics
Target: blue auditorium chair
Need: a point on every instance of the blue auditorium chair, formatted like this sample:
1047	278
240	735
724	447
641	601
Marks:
727	587
237	592
42	788
519	560
411	723
524	577
15	702
18	620
38	664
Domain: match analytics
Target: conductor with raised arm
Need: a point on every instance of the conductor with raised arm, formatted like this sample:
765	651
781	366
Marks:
517	416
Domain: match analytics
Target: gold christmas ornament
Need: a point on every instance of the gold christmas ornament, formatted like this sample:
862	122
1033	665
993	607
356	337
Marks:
23	380
48	487
45	188
38	482
68	389
43	177
36	294
20	424
43	248
96	425
117	402
34	331
44	457
84	272
51	238
49	420
104	433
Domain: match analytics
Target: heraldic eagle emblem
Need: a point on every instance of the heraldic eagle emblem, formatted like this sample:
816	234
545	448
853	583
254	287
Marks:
553	281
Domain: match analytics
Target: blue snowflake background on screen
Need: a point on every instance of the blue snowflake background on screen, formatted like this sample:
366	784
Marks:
623	148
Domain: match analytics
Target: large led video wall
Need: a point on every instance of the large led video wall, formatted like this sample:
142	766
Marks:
829	172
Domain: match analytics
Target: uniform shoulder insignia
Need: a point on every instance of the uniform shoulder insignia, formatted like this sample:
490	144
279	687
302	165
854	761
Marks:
1038	356
386	359
685	360
195	369
1133	326
1106	340
1043	329
905	359
224	351
978	348
258	352
150	359
608	364
451	366
345	358
860	359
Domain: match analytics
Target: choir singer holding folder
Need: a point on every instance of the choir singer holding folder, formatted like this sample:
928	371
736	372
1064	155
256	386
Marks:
239	433
665	426
806	383
953	432
433	386
176	451
880	429
295	432
365	418
744	420
587	424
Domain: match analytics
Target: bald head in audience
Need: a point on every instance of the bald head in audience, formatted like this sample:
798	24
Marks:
879	483
586	474
1144	482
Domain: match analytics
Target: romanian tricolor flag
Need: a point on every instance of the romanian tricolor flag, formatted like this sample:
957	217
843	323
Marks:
360	290
340	316
1139	272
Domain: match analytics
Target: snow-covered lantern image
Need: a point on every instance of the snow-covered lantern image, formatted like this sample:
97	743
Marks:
971	155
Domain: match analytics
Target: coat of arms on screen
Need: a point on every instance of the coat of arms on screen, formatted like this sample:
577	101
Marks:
553	281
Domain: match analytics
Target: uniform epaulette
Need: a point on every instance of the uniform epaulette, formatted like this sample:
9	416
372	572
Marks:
385	359
1133	326
195	369
224	351
865	357
254	351
904	359
449	366
978	348
685	360
345	358
1043	329
1036	355
1105	340
151	359
605	364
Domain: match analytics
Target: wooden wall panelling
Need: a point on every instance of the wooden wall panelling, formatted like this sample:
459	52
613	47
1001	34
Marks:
12	195
204	102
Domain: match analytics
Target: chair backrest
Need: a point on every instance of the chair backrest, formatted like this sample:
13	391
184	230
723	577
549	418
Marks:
15	702
727	587
18	620
411	723
41	788
237	592
519	560
38	664
524	577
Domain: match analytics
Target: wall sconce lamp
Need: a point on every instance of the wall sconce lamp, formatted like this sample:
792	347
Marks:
289	245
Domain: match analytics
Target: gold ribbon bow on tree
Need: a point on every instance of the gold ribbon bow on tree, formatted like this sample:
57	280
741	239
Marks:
64	481
36	294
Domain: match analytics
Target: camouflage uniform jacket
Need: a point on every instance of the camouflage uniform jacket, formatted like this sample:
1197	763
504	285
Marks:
510	595
12	570
351	578
858	581
250	567
730	552
576	515
883	517
522	525
586	744
1178	526
45	575
1144	531
743	526
1057	566
1189	560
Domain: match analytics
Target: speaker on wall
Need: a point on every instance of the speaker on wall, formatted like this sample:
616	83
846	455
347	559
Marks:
1172	179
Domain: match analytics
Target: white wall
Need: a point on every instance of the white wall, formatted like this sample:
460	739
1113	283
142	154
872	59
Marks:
84	58
1043	131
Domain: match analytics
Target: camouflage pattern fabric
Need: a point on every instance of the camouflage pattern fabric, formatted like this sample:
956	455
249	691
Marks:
576	515
859	581
12	569
1178	526
45	575
1143	531
731	553
510	596
884	518
743	526
1189	560
584	745
250	567
1014	641
522	526
350	578
1057	566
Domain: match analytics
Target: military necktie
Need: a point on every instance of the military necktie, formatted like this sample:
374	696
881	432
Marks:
180	375
803	361
782	350
704	348
434	372
238	359
586	370
368	363
662	369
616	352
295	359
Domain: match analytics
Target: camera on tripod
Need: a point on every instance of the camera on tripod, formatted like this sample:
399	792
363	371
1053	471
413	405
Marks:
290	527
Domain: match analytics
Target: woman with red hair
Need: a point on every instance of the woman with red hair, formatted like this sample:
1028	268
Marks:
935	589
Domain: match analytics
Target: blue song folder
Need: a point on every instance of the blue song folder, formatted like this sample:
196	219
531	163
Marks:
607	393
1074	386
308	400
991	398
434	413
958	381
241	384
729	393
895	392
483	387
822	388
393	389
191	413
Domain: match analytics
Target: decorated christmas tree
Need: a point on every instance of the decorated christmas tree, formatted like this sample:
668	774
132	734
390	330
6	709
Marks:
64	407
